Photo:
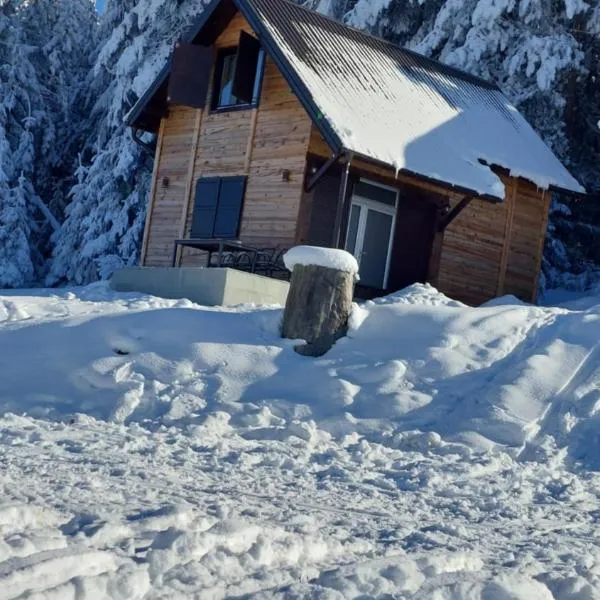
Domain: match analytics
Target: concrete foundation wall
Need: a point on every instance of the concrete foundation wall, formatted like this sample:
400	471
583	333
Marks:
210	287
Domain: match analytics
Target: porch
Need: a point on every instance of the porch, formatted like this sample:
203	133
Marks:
395	230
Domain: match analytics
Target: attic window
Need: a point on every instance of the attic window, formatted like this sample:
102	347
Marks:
238	75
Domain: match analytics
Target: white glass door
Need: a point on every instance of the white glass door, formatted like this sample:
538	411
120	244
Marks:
371	227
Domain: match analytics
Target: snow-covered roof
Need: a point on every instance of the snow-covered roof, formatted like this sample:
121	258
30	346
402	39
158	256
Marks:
387	104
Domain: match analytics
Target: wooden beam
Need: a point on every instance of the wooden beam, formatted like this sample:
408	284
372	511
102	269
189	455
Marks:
510	214
250	145
339	215
455	212
321	172
152	195
541	243
189	183
435	260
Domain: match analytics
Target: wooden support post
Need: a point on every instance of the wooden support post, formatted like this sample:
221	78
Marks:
455	212
189	182
510	215
546	198
339	215
152	195
321	172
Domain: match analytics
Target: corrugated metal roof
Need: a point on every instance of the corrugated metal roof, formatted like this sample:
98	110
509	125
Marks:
405	110
390	105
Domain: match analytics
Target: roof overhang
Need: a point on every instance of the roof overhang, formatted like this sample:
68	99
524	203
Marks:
451	188
551	188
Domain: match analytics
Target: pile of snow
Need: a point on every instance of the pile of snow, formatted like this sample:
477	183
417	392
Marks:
329	258
501	374
155	448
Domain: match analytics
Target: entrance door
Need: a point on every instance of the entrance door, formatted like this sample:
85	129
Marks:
414	239
370	232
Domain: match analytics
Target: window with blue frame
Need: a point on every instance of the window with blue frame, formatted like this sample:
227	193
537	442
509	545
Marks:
238	75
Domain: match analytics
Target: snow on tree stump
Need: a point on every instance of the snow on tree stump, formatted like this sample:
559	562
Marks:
319	302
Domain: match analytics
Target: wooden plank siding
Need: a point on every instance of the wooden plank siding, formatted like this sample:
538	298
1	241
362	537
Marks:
490	249
496	249
259	143
169	201
152	194
527	242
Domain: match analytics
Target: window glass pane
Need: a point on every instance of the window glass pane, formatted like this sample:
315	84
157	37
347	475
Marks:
227	65
374	253
226	98
376	193
353	229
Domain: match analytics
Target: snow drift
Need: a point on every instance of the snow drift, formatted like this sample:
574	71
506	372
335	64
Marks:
153	448
506	373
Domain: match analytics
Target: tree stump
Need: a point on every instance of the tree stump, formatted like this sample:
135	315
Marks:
318	306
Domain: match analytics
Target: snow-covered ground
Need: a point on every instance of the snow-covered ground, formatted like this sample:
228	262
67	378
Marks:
156	449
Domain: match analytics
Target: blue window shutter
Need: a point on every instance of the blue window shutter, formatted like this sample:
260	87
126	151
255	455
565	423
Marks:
246	68
190	75
205	207
229	212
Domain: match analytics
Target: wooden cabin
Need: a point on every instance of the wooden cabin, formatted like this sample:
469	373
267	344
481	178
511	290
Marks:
277	126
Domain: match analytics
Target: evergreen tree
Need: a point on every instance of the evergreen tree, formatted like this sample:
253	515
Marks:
21	113
37	92
62	32
105	219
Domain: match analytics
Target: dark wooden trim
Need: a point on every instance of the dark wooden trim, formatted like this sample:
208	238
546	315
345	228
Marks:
435	260
233	108
323	170
342	201
358	173
455	212
457	189
247	66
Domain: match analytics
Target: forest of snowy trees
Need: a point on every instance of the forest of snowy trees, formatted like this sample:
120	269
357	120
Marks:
73	183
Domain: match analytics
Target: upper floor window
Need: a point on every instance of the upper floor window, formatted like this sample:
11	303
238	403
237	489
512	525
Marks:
238	75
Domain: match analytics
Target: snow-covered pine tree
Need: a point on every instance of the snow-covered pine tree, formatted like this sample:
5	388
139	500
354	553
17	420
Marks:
37	77
21	115
63	32
105	218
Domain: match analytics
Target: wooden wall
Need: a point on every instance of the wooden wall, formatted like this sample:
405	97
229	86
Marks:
496	249
490	249
167	203
259	143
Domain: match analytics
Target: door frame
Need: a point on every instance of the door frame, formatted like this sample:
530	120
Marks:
366	204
